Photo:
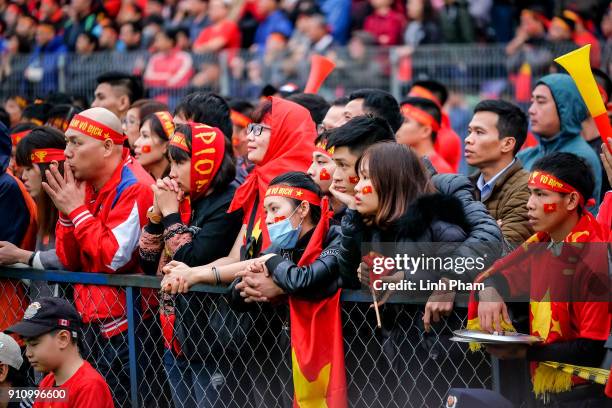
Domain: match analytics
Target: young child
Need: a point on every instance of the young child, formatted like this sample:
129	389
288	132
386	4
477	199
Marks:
11	372
50	328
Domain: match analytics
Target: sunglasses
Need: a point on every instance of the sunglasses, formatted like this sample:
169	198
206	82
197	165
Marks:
256	128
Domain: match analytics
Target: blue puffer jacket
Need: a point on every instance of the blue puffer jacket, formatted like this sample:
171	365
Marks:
15	216
572	112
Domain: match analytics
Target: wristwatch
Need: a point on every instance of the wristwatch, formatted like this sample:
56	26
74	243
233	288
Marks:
153	216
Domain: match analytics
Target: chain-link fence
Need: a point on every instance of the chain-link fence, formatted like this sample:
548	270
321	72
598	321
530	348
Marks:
474	69
230	359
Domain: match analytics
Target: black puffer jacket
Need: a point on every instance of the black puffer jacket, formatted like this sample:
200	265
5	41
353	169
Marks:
318	280
431	218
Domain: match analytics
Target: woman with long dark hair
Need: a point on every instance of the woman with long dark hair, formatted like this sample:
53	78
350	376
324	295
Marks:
41	148
151	147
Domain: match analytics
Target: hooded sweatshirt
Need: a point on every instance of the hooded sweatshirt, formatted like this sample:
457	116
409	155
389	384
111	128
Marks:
15	215
572	112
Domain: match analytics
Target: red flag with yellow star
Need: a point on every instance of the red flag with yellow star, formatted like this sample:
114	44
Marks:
317	349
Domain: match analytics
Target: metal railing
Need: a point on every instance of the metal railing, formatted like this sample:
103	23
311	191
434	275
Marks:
245	357
473	69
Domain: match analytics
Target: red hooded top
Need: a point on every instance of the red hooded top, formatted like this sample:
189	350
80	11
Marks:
290	149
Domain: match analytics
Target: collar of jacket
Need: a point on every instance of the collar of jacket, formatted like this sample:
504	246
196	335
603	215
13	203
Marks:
517	166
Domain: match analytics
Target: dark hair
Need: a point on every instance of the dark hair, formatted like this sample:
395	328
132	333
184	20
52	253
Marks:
301	180
170	33
380	103
437	88
17	378
511	120
22	127
136	26
341	101
61	115
572	169
227	171
261	111
398	177
242	106
131	84
324	136
428	106
148	107
92	39
5	119
360	133
42	137
316	105
208	108
156	126
37	112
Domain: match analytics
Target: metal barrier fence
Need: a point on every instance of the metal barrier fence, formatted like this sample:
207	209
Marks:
245	357
474	69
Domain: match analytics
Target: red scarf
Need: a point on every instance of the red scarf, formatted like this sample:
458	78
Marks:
290	149
207	153
317	350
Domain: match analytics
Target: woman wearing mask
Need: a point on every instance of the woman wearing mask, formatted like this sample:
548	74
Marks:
189	223
280	139
151	148
41	148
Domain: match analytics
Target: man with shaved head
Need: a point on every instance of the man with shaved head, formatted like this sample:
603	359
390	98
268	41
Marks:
102	198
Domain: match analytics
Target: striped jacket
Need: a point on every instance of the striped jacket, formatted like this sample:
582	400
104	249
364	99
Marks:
102	236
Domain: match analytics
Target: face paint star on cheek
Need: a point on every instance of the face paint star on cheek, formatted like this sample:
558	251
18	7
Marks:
324	175
146	149
550	208
353	179
279	219
366	190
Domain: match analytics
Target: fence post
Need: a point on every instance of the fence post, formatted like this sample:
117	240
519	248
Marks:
61	73
224	78
393	73
133	321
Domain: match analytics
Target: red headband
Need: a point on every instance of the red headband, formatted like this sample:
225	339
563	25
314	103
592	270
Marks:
95	129
294	192
420	116
47	155
423	92
547	181
239	119
322	148
165	118
16	137
178	140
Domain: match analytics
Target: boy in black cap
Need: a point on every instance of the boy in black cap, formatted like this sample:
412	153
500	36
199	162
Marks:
50	328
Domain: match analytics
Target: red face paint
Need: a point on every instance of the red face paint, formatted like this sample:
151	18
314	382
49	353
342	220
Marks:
278	219
550	208
366	190
353	179
146	149
324	175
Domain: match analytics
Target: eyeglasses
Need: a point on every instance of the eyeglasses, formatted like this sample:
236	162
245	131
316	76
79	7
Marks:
256	128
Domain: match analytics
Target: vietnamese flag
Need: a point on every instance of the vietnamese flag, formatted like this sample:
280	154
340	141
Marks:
522	84
317	349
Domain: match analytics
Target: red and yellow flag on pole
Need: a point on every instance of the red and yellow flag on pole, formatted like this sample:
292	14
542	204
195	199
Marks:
317	349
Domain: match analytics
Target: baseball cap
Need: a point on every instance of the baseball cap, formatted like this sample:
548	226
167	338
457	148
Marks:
10	353
45	315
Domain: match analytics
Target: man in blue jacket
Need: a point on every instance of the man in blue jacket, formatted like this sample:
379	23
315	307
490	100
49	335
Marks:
556	115
15	215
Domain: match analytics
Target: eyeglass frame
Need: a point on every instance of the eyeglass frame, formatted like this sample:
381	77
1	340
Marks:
251	128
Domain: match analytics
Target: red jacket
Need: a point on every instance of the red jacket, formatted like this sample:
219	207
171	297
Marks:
102	236
605	213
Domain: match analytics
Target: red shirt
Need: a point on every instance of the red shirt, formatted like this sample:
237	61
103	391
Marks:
387	29
448	145
439	163
86	388
226	29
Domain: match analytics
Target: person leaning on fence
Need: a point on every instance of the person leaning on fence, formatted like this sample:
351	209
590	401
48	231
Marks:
280	140
321	171
51	328
36	152
195	230
563	270
103	199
